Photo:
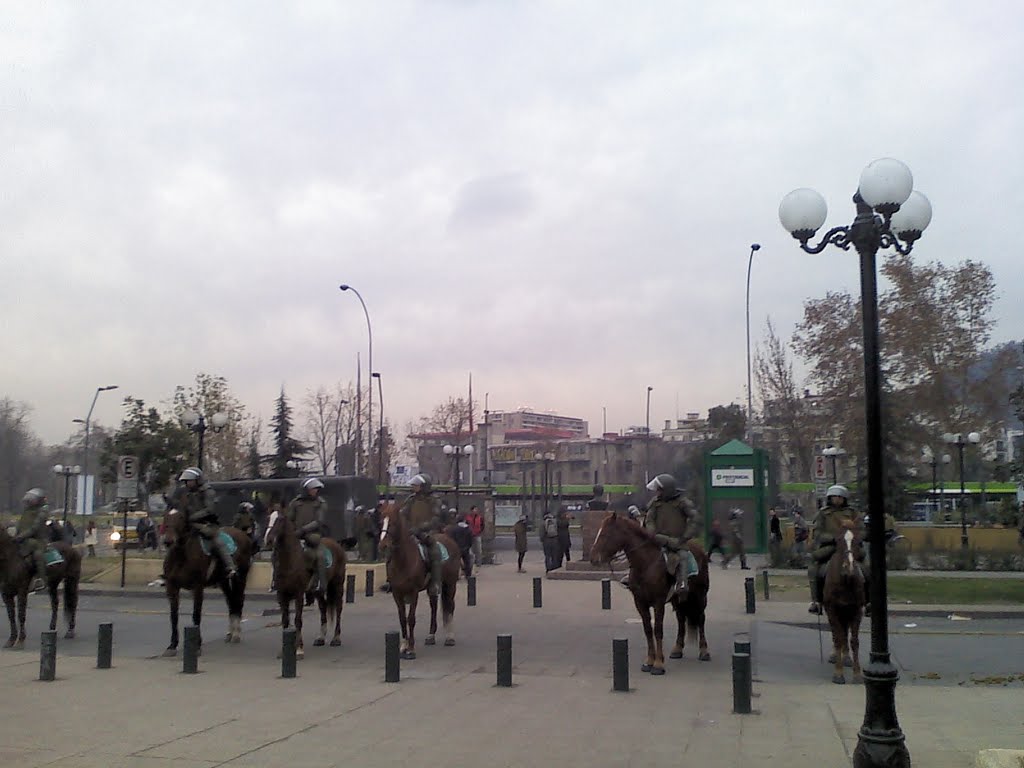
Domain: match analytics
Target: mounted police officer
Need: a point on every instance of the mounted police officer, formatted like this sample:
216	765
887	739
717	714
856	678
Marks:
422	513
196	500
308	513
673	521
245	519
32	532
830	523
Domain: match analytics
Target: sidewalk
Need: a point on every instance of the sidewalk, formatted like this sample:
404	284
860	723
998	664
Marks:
448	711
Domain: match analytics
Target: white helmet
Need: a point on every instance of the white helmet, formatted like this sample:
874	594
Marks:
192	473
312	484
838	490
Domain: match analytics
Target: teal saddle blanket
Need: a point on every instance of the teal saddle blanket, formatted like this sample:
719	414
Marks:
328	557
225	537
692	569
52	557
442	547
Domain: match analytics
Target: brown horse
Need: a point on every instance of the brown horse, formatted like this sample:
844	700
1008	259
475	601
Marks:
187	566
294	571
844	604
651	583
408	575
16	577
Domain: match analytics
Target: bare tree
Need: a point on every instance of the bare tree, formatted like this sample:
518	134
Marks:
329	417
226	451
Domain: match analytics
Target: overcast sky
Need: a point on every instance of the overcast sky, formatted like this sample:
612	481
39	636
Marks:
559	197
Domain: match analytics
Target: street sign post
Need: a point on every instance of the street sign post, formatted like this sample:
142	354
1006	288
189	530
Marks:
127	477
819	468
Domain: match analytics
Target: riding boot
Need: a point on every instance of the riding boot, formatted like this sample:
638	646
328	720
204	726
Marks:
225	558
434	587
681	588
319	581
40	580
815	606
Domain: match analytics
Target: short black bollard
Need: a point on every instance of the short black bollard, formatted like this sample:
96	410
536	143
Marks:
606	594
369	582
620	664
190	657
48	655
471	591
751	597
537	601
741	645
391	665
505	661
350	588
741	684
105	652
289	638
767	589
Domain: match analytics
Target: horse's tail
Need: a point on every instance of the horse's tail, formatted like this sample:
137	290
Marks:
448	599
71	578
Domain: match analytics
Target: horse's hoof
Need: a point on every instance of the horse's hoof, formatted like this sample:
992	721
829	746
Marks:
658	671
319	642
227	638
408	655
704	656
838	679
848	662
9	643
170	652
299	653
19	645
429	640
69	635
832	658
336	642
676	655
449	642
645	667
235	639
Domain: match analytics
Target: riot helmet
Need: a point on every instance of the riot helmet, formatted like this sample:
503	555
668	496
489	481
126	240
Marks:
246	506
839	491
33	498
420	482
664	485
192	473
311	485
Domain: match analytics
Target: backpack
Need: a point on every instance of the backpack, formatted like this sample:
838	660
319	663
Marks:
550	527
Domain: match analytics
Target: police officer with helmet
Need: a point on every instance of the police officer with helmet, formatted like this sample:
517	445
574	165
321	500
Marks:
673	521
196	500
32	532
422	513
308	513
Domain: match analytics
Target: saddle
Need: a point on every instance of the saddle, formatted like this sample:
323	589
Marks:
425	556
310	553
690	563
225	538
51	556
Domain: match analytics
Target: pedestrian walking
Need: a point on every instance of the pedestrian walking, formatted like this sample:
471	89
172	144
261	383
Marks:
736	538
549	541
774	534
564	542
521	544
800	534
717	543
461	533
476	527
91	539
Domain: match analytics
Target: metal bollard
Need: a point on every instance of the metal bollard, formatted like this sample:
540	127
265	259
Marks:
767	590
751	597
606	594
48	655
369	582
350	588
620	664
190	657
505	661
741	684
289	638
741	645
106	646
471	591
391	665
537	601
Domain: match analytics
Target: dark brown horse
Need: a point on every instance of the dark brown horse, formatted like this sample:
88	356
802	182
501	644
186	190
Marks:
187	566
15	579
844	604
408	575
650	582
294	571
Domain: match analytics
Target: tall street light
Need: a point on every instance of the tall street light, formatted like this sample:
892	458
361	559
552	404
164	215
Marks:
833	452
547	457
960	441
68	472
197	423
369	335
380	432
888	211
647	439
457	452
750	397
85	451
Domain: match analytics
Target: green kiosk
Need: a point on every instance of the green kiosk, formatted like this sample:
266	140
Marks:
736	476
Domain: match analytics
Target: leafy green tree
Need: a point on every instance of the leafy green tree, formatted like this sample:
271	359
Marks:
727	422
224	452
161	444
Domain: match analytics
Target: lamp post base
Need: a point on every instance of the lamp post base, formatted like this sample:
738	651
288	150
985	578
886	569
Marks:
880	742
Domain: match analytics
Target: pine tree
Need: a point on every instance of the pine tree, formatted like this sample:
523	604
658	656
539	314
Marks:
286	447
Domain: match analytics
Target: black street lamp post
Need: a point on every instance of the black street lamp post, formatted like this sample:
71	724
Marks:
197	423
547	457
750	397
86	422
369	399
888	211
380	431
833	452
647	439
457	452
961	441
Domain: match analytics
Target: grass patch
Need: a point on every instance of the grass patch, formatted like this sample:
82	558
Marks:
921	590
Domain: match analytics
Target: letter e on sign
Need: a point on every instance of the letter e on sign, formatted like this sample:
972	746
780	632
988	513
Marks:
127	467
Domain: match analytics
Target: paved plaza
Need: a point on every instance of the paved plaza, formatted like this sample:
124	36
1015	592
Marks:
447	709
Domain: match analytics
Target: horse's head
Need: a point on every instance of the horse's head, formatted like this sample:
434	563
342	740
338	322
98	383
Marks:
276	528
611	538
391	527
848	548
175	527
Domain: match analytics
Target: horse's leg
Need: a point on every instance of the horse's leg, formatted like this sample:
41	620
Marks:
70	603
51	587
321	602
22	609
9	605
645	618
174	598
337	600
659	634
300	651
855	644
838	646
286	612
705	654
429	640
197	614
410	652
403	623
680	611
448	612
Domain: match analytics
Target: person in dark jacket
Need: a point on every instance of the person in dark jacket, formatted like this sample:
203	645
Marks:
717	542
462	534
521	543
564	542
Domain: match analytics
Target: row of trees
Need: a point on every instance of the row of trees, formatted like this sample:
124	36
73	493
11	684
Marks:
939	373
